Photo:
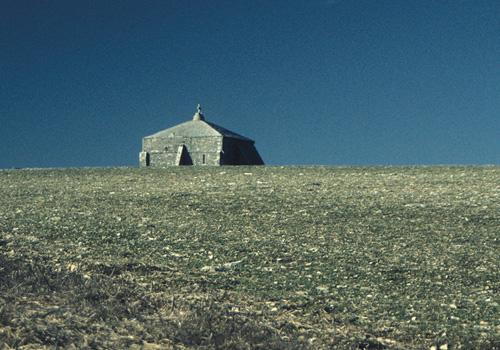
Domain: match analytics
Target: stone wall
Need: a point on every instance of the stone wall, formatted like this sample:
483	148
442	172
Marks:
164	151
240	152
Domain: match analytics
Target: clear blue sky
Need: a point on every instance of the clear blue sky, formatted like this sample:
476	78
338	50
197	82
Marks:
313	82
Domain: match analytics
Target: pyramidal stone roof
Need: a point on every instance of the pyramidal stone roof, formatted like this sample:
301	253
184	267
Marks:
198	127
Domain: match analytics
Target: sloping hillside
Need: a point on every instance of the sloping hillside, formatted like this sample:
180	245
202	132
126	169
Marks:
250	257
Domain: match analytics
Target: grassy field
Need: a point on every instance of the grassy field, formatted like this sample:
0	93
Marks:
250	258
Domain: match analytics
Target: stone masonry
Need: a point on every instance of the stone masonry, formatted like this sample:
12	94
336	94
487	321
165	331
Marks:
198	142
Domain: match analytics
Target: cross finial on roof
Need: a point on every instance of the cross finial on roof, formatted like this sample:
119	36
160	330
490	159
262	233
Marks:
198	116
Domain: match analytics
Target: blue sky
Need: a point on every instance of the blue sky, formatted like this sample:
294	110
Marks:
313	82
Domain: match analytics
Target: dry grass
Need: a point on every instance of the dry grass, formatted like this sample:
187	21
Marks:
43	307
250	257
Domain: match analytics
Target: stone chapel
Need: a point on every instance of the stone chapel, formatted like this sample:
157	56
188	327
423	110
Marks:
198	142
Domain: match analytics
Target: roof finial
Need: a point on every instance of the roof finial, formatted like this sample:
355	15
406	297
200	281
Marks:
199	116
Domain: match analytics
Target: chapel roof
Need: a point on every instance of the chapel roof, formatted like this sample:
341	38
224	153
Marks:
198	127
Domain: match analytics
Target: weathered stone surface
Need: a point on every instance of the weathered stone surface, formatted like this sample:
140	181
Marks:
198	142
